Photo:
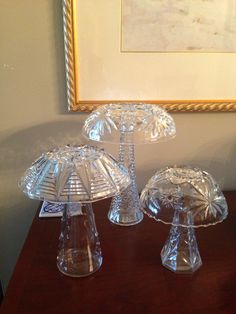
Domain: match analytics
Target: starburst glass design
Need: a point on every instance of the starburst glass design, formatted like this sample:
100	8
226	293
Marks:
146	124
185	197
188	189
76	176
128	124
171	198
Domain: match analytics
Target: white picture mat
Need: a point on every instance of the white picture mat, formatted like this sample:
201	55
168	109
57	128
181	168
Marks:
106	73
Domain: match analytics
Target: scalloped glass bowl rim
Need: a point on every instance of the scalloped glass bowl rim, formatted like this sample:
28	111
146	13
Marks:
182	225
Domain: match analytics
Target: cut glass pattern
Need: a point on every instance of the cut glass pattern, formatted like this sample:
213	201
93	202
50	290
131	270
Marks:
79	252
74	174
145	123
128	124
185	197
189	190
125	207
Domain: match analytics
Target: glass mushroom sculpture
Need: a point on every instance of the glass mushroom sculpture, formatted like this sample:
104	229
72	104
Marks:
184	197
76	176
128	124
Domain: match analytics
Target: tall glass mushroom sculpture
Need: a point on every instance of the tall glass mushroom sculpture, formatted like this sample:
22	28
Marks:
76	176
184	197
128	124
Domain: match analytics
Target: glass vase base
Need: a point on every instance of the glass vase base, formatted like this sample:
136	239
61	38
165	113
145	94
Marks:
70	264
125	219
180	253
181	269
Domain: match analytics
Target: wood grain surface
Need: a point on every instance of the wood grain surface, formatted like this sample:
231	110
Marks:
131	279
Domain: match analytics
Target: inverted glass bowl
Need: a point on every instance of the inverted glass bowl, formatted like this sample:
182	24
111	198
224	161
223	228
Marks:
188	190
184	197
142	123
74	174
128	124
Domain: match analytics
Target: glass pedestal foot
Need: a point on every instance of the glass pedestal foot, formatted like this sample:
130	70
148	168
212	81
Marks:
79	252
125	211
125	208
180	253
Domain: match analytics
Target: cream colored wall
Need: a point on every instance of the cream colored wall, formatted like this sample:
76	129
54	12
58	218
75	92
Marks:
34	118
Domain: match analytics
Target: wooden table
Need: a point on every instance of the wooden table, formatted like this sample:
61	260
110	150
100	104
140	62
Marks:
131	279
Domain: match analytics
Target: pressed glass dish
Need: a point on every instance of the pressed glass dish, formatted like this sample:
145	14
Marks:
128	125
186	198
76	176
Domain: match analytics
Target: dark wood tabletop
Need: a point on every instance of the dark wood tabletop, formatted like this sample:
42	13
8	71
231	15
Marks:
131	279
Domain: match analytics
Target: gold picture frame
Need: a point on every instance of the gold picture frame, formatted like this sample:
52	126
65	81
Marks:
72	78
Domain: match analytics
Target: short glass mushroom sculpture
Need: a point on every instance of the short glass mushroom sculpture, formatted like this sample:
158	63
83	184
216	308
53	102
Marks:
76	176
185	197
128	124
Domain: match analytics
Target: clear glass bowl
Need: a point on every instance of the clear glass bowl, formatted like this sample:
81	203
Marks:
128	124
74	174
185	197
142	123
185	189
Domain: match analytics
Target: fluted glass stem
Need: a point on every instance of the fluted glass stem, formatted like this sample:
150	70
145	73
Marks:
125	208
180	252
79	251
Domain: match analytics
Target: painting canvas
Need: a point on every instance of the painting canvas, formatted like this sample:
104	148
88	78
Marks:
178	25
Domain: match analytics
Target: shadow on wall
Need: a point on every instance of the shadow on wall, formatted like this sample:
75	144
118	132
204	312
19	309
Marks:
216	157
18	151
221	163
23	147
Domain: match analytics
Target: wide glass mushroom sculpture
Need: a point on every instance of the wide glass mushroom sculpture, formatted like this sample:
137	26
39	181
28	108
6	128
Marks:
128	125
184	197
76	176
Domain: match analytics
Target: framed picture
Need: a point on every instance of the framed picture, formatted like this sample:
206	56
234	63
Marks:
112	56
